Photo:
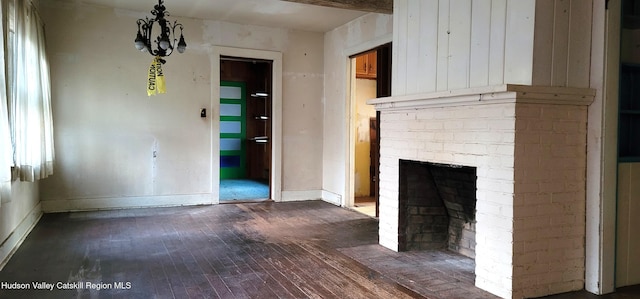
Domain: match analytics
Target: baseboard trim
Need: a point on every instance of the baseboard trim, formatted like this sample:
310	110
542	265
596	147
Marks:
15	239
108	203
332	198
301	195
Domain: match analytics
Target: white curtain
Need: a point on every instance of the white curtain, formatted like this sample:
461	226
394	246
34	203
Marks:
5	139
29	93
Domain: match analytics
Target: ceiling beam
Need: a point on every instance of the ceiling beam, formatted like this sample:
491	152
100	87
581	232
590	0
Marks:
379	6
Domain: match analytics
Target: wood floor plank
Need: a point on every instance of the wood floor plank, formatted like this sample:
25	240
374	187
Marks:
249	250
266	257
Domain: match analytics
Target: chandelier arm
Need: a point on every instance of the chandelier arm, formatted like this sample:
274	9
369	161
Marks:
139	22
173	33
147	27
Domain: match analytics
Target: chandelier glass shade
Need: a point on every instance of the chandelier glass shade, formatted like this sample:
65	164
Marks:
166	41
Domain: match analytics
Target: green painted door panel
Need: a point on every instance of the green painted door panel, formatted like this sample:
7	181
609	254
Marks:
233	130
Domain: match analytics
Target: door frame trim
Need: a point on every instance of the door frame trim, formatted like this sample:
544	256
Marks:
602	151
276	117
350	129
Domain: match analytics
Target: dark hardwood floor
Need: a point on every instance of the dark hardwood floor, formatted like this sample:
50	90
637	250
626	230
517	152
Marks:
249	250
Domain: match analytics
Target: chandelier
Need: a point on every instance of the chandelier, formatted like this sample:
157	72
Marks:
165	42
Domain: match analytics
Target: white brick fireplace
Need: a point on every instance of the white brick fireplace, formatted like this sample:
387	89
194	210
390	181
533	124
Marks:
528	145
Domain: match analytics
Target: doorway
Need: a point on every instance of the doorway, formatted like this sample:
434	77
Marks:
245	129
371	78
627	262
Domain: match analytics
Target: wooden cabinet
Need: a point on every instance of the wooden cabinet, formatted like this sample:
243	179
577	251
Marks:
366	65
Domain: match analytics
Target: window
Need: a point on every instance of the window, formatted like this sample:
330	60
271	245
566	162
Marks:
629	109
27	93
629	121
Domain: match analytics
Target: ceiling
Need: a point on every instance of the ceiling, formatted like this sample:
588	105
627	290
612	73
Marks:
272	13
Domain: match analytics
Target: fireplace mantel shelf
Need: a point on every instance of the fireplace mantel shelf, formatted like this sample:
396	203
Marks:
505	93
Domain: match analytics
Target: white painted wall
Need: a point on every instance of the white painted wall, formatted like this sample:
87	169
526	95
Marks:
19	212
562	37
107	129
357	36
452	44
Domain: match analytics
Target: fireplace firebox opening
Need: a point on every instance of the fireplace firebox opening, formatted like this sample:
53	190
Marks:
437	205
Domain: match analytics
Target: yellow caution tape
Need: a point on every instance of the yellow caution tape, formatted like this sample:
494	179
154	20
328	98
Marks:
156	82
